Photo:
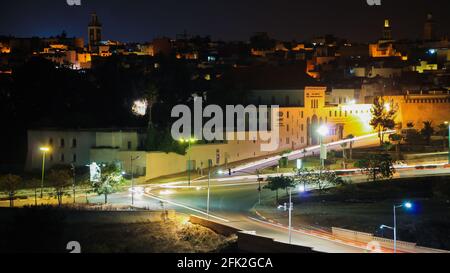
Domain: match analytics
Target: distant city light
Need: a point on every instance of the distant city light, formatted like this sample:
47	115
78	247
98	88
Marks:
140	107
432	51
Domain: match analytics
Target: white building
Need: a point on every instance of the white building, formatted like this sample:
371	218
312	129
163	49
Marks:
79	147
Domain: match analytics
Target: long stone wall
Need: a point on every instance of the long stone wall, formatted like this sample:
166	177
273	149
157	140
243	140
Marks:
367	238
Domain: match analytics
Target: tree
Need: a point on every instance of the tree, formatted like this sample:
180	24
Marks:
427	131
151	95
9	184
60	179
377	166
303	177
383	117
344	157
443	131
397	140
351	145
279	182
109	182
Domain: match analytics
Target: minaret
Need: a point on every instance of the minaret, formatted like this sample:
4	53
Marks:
387	31
429	28
94	31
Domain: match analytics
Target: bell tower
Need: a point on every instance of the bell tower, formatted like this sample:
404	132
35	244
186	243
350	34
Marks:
429	30
94	31
387	31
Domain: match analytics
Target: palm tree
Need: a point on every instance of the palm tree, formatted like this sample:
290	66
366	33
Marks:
427	131
351	145
9	184
344	157
443	129
151	95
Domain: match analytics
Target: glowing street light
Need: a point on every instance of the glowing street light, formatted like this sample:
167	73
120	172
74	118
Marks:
189	141
407	205
44	151
387	106
322	131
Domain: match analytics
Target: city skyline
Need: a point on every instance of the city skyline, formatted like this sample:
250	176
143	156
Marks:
284	21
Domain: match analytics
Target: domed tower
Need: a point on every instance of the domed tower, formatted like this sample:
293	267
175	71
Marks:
387	31
429	29
94	31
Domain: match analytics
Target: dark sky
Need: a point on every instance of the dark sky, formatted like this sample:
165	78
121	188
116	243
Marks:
142	20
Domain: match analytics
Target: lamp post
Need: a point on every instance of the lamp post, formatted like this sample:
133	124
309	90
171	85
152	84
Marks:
407	205
448	124
132	181
322	131
209	178
189	141
73	184
44	150
290	215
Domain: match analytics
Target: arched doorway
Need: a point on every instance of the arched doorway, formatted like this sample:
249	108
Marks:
313	125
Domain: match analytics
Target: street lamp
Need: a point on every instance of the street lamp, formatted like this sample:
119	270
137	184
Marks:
132	181
74	180
447	123
44	151
407	205
322	131
189	141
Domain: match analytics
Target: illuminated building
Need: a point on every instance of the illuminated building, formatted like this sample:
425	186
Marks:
425	66
81	147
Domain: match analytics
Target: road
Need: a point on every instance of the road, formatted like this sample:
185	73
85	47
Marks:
231	203
232	199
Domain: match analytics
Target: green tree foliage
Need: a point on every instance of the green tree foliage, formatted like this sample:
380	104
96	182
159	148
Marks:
377	166
318	180
427	131
279	182
60	179
110	181
383	117
9	184
161	140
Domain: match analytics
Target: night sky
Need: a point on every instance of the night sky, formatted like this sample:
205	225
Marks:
142	20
